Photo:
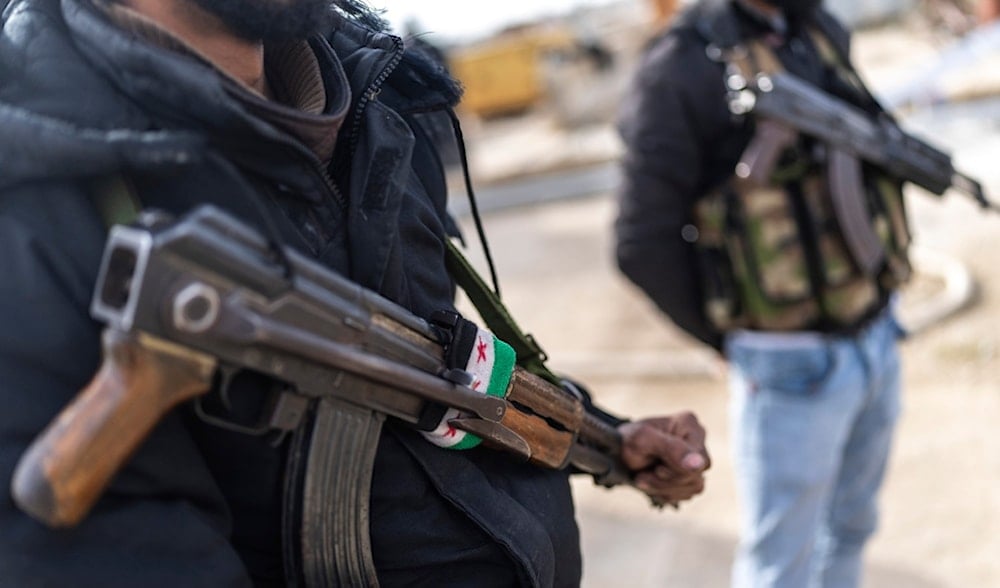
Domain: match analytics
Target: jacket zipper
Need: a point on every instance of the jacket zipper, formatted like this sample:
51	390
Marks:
372	91
324	173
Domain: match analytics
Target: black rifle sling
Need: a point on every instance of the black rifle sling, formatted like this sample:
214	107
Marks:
834	55
498	319
328	478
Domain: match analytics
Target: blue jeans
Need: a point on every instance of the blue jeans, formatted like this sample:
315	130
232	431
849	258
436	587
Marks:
812	417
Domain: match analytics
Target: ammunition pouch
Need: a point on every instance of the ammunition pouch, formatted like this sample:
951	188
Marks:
776	257
802	236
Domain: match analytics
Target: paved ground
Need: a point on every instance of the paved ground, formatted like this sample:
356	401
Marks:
941	505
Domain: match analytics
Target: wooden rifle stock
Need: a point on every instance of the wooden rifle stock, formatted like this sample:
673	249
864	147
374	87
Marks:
561	432
537	405
67	468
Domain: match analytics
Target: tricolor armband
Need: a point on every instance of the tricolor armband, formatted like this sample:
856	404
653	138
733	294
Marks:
490	362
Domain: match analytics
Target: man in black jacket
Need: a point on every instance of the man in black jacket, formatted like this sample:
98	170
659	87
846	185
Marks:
758	269
299	119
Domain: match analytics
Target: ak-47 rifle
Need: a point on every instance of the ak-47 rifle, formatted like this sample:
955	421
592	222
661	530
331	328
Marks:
183	299
786	107
878	140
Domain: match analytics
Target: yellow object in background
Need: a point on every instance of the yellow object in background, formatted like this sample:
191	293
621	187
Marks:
504	75
498	79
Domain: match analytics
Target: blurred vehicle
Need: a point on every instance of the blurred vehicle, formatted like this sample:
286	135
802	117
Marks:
503	75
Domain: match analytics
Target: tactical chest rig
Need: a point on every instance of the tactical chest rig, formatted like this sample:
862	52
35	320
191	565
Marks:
802	236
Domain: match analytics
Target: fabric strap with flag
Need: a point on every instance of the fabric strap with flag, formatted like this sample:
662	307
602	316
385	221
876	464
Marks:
490	363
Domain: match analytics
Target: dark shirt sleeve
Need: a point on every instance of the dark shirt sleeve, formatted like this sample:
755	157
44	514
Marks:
669	121
162	522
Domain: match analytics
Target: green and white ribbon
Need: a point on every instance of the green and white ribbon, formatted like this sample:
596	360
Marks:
491	364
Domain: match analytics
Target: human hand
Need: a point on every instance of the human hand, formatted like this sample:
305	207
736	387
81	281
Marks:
666	456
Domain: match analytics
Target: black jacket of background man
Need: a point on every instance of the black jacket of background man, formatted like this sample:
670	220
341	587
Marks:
80	101
681	141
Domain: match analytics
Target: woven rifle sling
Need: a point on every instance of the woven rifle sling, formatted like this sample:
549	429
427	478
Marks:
498	319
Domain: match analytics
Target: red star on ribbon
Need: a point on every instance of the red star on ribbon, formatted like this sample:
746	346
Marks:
451	431
482	350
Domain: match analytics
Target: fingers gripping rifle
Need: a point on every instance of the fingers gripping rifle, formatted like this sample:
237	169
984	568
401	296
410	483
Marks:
183	300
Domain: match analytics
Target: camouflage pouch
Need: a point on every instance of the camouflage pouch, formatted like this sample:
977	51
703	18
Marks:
846	294
768	264
753	243
893	228
719	289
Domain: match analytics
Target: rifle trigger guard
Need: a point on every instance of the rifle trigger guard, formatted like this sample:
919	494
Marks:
204	416
283	414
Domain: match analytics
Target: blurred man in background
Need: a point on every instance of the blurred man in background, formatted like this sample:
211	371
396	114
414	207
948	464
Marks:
754	264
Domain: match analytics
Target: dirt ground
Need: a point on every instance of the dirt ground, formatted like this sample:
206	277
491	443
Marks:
941	504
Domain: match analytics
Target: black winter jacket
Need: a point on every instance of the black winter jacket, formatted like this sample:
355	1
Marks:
681	141
81	101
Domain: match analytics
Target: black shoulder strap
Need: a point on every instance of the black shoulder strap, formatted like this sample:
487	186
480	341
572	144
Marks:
839	38
834	49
